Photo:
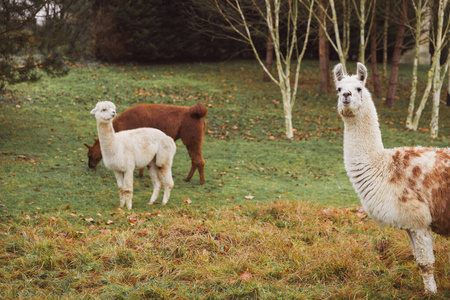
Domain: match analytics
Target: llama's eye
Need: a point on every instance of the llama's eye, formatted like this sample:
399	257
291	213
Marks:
104	109
359	90
339	90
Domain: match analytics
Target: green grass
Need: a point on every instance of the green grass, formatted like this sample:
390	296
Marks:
61	235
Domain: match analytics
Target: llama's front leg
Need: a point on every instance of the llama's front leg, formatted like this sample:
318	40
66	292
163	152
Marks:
128	188
120	182
422	243
153	171
165	175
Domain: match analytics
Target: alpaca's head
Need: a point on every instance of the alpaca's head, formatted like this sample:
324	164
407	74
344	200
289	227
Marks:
351	90
104	111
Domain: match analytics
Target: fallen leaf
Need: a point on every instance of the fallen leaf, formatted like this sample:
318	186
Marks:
249	197
246	275
327	211
118	211
67	206
109	222
63	234
53	219
89	220
188	201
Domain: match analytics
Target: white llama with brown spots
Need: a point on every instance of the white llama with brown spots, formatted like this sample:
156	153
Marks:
408	187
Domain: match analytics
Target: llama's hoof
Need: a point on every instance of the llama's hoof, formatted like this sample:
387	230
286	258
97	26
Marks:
186	179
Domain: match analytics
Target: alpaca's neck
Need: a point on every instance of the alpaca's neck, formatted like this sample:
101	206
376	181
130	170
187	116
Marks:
362	137
106	136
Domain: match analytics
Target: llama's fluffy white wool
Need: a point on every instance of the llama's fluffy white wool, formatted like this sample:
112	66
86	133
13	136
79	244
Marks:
408	188
126	150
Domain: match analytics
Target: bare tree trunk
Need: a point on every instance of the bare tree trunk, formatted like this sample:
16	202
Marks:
437	82
385	37
362	23
373	55
412	99
393	80
426	94
338	46
324	52
346	28
284	54
269	58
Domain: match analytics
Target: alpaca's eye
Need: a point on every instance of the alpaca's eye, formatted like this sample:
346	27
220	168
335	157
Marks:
359	90
339	90
104	109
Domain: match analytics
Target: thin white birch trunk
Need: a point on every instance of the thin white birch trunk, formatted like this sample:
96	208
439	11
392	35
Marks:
338	45
362	23
426	94
437	86
283	60
412	98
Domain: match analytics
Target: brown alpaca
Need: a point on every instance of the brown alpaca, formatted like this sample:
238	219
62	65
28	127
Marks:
187	123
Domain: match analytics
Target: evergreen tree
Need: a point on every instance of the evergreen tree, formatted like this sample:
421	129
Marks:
23	51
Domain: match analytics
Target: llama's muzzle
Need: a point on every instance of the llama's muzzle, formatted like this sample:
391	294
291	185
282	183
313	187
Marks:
346	97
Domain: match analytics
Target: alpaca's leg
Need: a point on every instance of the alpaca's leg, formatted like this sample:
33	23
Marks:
165	175
422	243
198	162
128	188
153	171
120	182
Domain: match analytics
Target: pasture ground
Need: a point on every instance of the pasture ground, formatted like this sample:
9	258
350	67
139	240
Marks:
274	219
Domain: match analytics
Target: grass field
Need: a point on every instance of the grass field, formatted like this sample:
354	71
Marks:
275	219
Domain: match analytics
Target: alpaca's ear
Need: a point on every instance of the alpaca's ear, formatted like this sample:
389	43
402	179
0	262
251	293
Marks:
361	72
87	146
94	110
338	72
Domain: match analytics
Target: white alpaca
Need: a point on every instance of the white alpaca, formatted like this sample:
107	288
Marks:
408	188
126	150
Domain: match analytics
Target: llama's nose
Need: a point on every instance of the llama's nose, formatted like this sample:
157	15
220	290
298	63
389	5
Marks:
346	97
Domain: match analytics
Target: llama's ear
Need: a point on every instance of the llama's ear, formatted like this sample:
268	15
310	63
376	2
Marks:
94	110
338	73
87	146
361	72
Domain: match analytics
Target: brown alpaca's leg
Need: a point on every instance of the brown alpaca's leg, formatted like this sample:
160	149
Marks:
141	172
191	172
197	163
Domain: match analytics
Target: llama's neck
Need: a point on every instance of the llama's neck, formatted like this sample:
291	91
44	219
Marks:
362	137
107	137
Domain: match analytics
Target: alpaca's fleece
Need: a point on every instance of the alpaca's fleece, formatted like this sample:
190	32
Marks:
126	150
408	187
178	122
